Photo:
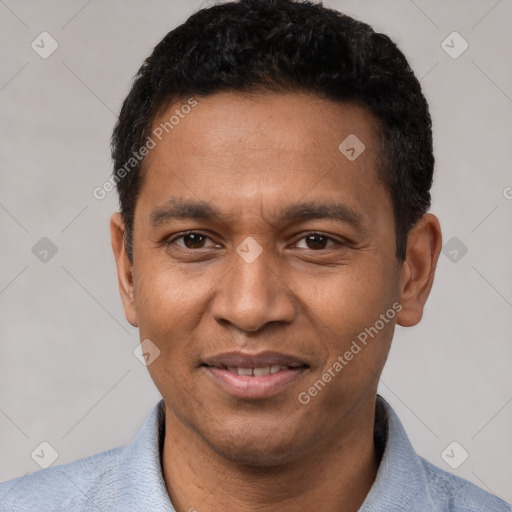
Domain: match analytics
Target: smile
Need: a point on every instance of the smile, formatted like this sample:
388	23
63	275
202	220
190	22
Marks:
258	372
254	376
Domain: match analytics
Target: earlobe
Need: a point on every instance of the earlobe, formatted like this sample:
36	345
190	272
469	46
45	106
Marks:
417	276
124	268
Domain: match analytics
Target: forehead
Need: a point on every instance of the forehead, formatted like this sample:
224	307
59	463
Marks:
296	122
236	149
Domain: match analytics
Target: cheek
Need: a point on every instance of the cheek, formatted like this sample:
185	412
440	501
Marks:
165	294
167	309
349	306
351	299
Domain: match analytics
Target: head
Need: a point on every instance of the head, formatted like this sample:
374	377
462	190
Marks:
293	144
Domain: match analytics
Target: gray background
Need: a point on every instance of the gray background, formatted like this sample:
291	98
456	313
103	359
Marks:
68	375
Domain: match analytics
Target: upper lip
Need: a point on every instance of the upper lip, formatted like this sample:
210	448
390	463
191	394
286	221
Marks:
260	360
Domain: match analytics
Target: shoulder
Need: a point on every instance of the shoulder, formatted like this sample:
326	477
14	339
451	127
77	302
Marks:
90	482
406	481
454	494
124	478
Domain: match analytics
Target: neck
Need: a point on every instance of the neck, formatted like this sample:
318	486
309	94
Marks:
337	474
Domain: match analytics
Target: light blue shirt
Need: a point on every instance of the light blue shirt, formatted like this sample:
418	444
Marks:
130	479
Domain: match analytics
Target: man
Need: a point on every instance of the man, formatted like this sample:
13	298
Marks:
273	161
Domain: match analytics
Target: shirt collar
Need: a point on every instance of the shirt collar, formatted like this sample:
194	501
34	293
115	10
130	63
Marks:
399	483
140	470
401	480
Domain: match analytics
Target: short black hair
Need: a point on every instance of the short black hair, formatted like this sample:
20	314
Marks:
285	46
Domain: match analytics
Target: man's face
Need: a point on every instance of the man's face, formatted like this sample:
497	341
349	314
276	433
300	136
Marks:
260	277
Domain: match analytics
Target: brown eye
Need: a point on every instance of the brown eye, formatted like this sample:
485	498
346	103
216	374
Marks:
317	241
189	241
193	241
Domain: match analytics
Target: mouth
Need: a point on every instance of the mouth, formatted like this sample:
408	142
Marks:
258	372
252	376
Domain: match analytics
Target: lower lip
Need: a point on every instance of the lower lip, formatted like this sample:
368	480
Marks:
252	387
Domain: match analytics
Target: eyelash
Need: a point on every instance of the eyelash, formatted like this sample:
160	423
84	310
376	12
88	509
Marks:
170	241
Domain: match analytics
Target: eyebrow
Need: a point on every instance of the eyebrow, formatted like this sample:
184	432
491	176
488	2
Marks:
177	208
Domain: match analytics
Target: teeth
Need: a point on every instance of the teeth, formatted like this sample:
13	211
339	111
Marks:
261	371
258	372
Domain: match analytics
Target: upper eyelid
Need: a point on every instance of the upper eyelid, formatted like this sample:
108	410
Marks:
173	238
185	233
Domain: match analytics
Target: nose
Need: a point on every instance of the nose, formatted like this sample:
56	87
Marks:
253	294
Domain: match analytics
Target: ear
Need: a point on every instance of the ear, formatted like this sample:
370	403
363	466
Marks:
124	268
424	244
